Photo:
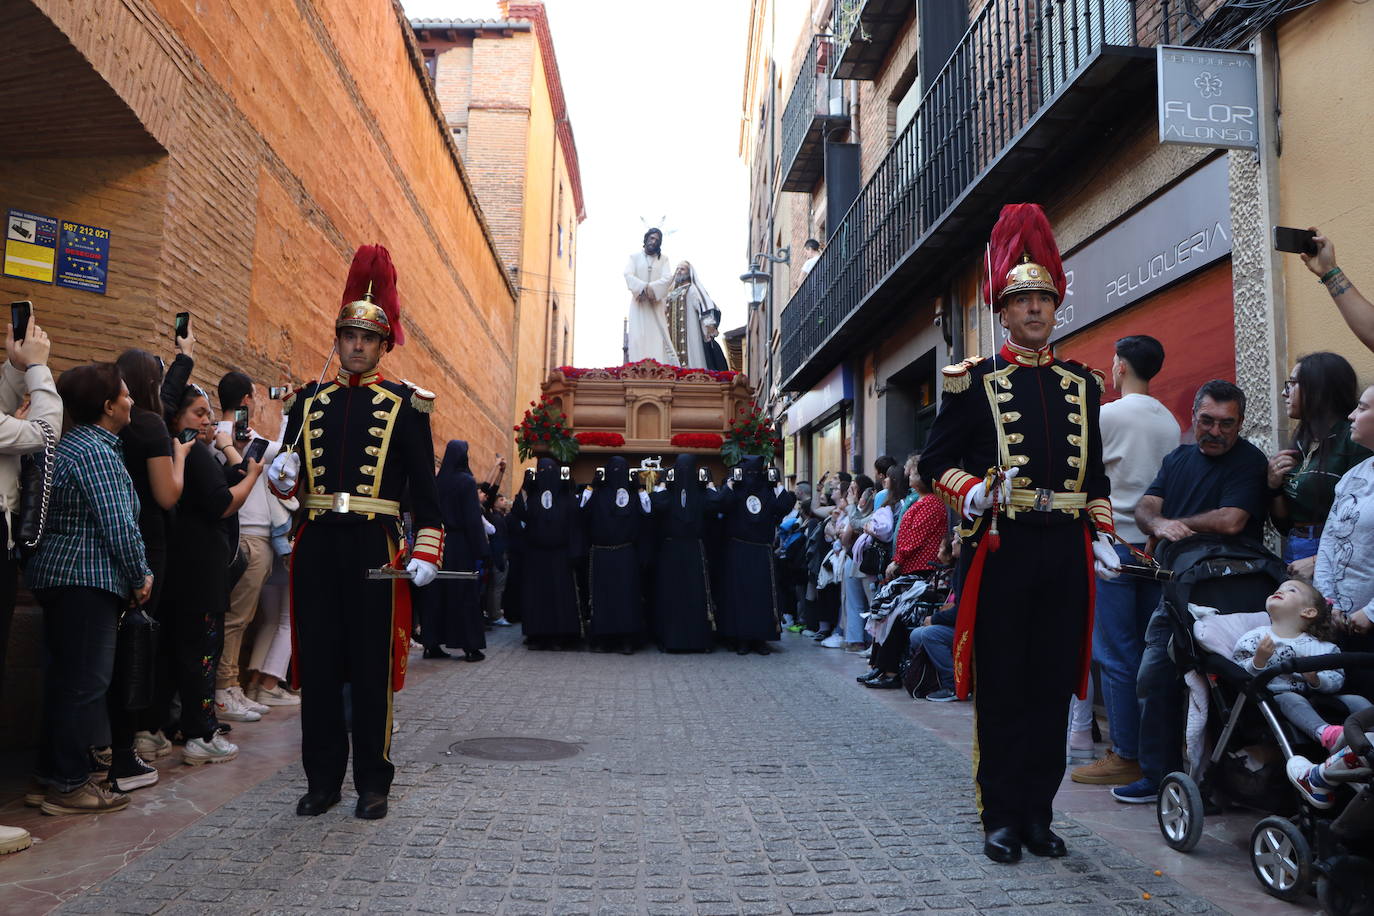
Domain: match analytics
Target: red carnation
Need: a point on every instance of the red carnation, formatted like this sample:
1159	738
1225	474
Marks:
544	436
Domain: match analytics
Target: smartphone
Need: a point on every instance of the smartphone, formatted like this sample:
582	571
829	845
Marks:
256	449
20	312
277	392
183	324
186	435
1295	241
240	423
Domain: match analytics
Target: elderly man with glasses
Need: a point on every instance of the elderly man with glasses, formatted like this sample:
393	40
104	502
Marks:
1216	486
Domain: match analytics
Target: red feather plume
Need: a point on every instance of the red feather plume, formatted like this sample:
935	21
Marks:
372	266
1021	229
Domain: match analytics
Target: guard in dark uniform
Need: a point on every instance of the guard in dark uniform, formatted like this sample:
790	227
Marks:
356	443
1015	451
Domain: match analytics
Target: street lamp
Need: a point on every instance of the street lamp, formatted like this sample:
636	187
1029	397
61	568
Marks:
758	279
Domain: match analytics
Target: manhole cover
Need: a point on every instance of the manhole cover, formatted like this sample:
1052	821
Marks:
519	749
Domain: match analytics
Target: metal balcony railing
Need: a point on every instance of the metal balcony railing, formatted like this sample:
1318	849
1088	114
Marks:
815	106
1015	56
864	31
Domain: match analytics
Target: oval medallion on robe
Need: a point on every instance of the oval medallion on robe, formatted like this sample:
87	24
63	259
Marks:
753	505
546	499
622	497
682	494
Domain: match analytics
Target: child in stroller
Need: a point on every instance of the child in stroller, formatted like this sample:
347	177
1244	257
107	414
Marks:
1300	626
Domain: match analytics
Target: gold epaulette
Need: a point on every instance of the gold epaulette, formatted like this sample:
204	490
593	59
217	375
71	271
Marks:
420	398
957	376
1098	375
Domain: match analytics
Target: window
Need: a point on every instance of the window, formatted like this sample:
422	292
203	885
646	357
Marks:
560	240
431	63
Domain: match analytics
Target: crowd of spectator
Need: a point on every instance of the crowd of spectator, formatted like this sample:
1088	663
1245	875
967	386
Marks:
1314	499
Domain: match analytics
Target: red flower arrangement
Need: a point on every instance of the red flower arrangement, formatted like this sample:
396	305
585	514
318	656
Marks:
750	433
681	371
698	440
545	425
613	440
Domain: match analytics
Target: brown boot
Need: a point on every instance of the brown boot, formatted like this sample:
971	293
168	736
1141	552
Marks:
90	798
1111	770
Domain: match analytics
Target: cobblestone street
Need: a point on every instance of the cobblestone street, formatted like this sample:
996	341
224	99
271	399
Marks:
705	784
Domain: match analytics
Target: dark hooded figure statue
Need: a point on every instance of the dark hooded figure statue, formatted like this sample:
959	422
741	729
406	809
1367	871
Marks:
616	528
684	610
753	509
546	514
451	613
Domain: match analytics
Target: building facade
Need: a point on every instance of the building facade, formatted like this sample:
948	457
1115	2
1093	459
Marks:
502	98
953	109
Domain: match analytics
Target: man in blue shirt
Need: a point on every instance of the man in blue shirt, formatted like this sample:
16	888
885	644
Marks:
1217	486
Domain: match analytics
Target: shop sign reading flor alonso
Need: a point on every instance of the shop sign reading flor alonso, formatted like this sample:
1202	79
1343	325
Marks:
1207	98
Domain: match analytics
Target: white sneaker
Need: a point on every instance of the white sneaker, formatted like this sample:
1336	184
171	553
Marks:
500	622
13	839
277	696
833	641
787	620
257	707
810	634
198	751
151	745
228	708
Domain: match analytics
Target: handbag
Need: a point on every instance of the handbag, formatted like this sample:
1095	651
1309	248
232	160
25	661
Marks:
35	490
135	659
875	556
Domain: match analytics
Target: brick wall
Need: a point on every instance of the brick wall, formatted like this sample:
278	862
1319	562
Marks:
292	133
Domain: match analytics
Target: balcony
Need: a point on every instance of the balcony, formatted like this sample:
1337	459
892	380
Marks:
1028	91
864	31
815	107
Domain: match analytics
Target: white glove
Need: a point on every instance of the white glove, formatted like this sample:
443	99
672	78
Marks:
421	572
284	472
979	499
1106	562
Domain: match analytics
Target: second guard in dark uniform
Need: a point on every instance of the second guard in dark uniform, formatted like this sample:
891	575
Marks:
1015	451
356	443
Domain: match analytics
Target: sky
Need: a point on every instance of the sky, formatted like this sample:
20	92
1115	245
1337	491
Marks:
653	91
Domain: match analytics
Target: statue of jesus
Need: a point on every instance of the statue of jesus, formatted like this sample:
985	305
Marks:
647	277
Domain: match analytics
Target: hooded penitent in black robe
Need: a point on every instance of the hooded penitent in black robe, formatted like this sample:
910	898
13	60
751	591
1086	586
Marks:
749	611
684	611
548	590
616	525
452	610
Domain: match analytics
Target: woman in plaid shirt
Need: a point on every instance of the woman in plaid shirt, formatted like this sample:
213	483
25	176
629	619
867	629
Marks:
88	565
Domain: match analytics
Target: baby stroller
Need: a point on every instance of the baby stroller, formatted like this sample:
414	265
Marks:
1250	740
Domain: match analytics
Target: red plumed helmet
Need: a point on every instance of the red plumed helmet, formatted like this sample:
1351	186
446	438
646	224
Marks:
1023	256
370	300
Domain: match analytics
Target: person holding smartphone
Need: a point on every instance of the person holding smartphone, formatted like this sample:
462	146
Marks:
25	374
238	400
197	589
156	464
1357	311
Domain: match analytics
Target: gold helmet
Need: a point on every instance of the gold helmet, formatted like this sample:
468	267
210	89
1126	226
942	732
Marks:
365	314
1026	277
369	299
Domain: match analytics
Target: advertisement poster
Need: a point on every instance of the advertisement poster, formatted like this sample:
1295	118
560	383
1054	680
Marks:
83	255
30	246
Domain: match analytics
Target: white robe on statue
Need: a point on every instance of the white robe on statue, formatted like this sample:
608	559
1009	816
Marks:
649	335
